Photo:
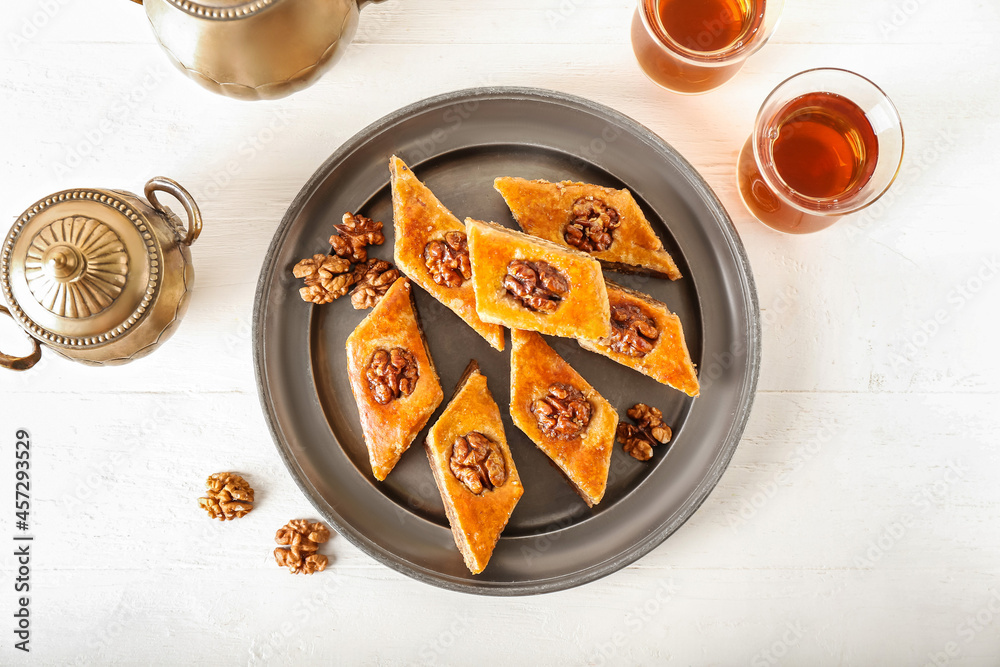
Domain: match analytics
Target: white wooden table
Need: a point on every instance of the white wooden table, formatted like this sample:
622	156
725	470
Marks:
857	525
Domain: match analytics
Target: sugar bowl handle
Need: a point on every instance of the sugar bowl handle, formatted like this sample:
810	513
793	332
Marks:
172	187
20	363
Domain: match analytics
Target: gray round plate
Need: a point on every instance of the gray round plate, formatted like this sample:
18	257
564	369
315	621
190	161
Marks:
457	144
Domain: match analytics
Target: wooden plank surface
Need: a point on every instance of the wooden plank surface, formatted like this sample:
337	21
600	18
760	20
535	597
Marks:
857	524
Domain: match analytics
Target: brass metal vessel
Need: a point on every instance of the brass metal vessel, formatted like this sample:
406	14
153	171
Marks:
253	49
99	276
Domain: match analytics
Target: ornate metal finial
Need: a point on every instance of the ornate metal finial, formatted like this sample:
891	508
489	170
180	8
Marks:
76	267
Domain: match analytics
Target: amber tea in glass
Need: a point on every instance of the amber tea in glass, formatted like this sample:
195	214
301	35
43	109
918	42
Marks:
692	46
827	142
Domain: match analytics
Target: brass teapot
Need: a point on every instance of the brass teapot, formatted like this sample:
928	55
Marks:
99	276
253	49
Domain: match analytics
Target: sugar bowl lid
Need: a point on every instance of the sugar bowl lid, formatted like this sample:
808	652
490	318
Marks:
82	268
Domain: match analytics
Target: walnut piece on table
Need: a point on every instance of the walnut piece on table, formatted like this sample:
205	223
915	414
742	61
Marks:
229	496
300	540
300	562
638	440
356	233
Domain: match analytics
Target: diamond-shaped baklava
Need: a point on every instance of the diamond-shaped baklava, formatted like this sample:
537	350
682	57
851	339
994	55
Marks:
647	337
604	222
524	282
473	469
562	414
392	377
431	249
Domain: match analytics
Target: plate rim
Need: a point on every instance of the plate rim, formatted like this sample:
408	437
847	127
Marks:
719	465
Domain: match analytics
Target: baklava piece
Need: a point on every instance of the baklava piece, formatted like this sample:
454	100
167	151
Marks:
562	414
473	469
392	377
647	337
604	222
524	282
431	248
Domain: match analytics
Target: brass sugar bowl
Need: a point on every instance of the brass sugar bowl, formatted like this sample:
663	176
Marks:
253	49
99	276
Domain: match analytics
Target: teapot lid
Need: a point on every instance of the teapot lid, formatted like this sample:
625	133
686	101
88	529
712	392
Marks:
222	9
81	267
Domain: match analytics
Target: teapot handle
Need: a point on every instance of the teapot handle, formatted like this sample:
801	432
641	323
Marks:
172	187
20	363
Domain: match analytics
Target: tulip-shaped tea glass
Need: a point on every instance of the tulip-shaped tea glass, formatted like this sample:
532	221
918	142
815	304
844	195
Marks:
826	143
693	46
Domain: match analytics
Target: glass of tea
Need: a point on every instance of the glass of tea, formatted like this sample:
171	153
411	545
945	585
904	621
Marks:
693	46
826	143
